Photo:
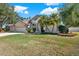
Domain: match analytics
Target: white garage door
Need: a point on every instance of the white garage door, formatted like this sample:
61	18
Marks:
74	29
21	29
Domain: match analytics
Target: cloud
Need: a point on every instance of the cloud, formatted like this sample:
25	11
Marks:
21	9
49	11
52	4
26	12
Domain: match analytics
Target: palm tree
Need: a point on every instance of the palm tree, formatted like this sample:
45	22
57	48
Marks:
46	21
42	22
54	20
7	14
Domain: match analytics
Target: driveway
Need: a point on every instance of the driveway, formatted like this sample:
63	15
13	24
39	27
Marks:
6	34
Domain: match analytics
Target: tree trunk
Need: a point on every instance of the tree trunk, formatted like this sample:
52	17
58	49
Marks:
52	28
42	29
47	28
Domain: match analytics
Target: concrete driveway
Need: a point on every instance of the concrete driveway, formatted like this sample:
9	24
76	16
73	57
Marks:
6	34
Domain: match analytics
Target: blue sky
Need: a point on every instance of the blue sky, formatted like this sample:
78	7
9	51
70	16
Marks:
32	9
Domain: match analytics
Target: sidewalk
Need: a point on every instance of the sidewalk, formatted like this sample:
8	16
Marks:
6	34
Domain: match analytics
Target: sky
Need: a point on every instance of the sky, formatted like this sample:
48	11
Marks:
31	9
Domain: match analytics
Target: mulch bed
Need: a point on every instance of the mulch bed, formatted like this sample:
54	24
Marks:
68	34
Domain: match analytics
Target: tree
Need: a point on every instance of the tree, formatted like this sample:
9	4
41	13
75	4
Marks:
46	21
7	14
70	14
42	22
54	20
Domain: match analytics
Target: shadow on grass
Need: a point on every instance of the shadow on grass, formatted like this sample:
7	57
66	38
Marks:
48	33
45	33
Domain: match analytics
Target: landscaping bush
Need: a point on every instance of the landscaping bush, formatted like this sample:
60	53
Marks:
63	29
7	28
34	29
30	30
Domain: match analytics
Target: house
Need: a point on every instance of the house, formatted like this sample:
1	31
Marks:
35	20
20	26
50	28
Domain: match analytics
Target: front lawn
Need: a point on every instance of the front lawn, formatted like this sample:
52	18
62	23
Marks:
28	44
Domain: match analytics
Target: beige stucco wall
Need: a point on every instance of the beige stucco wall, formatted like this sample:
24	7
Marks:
20	25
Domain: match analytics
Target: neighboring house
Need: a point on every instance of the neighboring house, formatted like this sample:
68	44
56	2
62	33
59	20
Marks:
74	29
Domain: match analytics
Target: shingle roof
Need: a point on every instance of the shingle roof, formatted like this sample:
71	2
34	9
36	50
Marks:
35	17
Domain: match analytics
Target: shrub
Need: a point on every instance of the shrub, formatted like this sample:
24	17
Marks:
34	29
63	29
30	30
7	28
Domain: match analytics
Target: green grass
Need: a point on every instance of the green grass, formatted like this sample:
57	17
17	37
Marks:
39	45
